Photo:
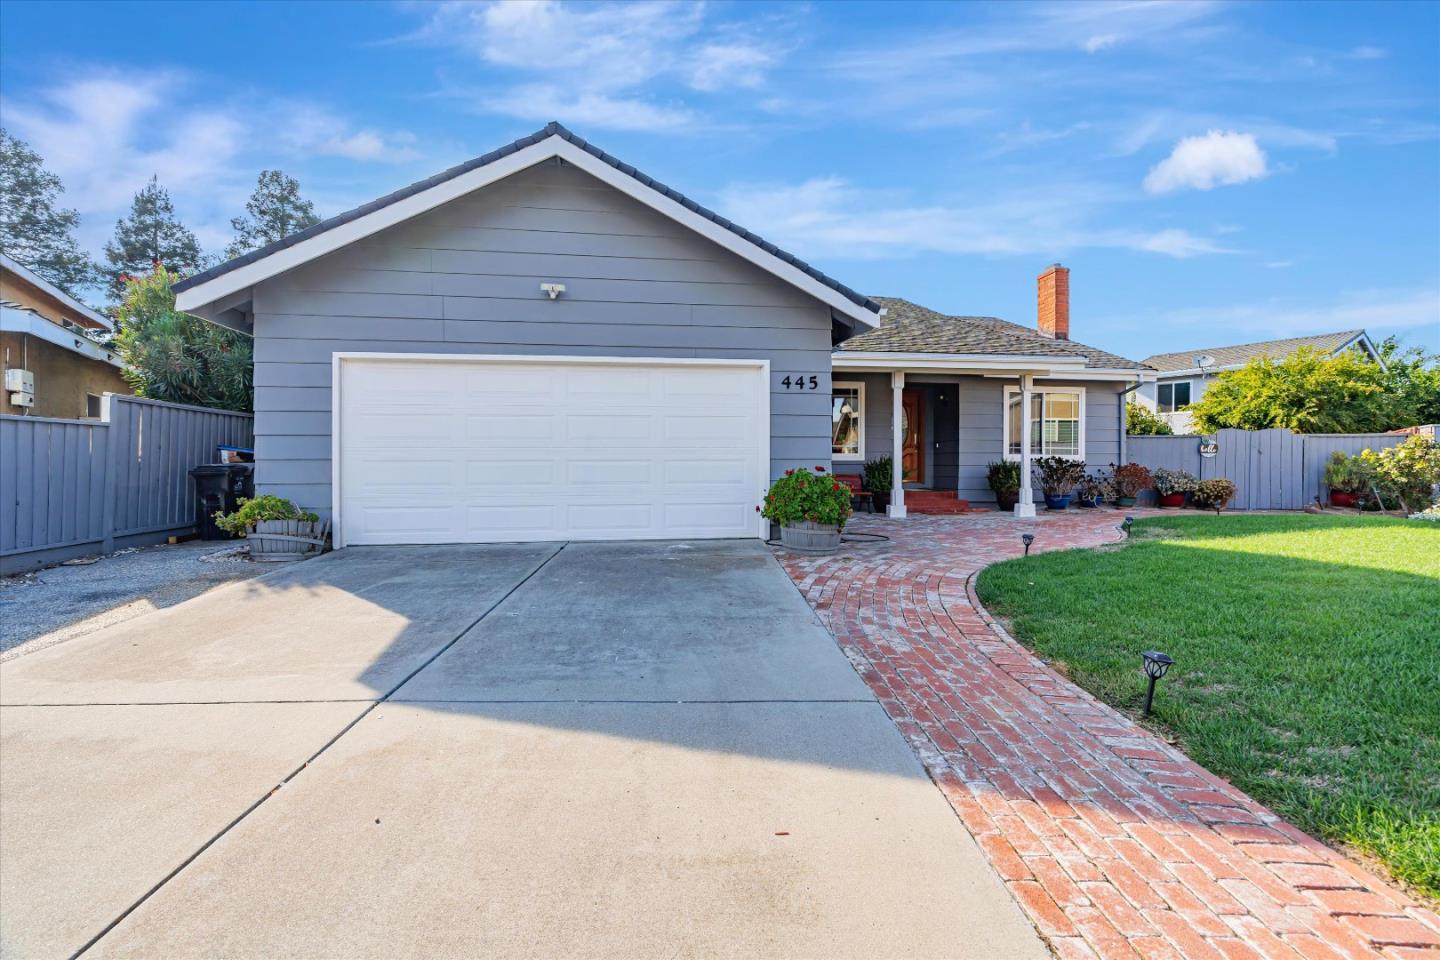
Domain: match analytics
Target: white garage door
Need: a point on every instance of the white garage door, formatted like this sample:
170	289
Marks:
495	450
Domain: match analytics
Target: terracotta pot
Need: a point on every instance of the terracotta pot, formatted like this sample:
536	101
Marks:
1339	498
1172	500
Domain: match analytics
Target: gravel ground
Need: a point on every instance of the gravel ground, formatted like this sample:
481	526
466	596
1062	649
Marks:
50	606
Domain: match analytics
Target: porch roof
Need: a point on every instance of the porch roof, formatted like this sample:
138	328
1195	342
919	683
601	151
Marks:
910	329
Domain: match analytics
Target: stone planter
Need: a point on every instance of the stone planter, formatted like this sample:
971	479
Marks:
1006	499
881	501
807	537
278	541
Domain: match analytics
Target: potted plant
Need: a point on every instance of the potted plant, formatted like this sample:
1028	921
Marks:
811	509
878	477
276	528
1091	491
1213	494
1343	476
1059	476
1172	485
1128	480
1003	476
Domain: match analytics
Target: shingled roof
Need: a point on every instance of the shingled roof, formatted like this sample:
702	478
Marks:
549	130
1242	353
910	328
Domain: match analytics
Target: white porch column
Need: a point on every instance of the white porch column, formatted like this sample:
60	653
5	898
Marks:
897	443
1025	506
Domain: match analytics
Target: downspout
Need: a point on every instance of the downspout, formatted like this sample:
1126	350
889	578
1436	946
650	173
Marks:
1124	419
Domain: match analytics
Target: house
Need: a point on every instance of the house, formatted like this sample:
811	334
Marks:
53	349
544	343
1183	376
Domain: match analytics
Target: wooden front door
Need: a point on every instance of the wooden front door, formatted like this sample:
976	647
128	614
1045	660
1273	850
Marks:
913	423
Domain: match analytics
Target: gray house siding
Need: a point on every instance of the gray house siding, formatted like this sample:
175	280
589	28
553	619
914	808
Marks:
465	278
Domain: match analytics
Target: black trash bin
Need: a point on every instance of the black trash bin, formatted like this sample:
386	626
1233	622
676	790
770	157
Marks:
242	480
212	490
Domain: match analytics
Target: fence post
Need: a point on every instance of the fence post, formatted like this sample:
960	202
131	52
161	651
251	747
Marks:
112	443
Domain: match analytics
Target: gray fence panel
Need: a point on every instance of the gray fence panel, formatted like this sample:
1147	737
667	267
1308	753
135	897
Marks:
1272	469
70	487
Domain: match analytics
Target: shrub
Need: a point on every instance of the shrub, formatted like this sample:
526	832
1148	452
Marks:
1167	482
1095	487
1003	476
801	495
1431	513
251	511
1140	421
1213	494
1059	475
1129	479
1408	472
878	476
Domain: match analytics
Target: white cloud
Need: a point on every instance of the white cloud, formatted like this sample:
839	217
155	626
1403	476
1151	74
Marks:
1368	53
598	62
1383	309
1100	41
310	130
1201	163
829	217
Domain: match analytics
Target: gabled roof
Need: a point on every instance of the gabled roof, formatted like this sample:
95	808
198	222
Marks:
1242	353
911	328
209	285
49	289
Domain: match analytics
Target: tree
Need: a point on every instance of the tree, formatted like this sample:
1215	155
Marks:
1139	421
1306	392
174	356
150	235
275	210
1414	376
34	231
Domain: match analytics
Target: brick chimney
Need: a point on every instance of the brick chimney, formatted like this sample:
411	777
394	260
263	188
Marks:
1055	302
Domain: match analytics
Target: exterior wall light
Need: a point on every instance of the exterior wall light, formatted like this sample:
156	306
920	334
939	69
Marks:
1027	539
1156	663
553	289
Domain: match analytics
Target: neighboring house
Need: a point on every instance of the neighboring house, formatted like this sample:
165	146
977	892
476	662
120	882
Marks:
544	344
59	342
1184	376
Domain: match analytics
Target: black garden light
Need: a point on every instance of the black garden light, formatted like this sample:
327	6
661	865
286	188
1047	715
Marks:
1156	663
1129	522
1027	539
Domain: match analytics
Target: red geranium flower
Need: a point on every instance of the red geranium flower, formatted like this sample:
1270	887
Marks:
789	473
819	469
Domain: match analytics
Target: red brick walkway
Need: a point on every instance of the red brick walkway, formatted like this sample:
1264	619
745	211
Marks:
1112	841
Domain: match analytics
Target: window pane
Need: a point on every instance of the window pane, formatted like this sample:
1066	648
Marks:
1182	395
1165	397
1062	425
1037	424
1012	425
845	421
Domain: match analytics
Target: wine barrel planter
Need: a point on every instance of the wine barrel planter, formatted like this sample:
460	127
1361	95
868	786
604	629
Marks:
807	537
279	541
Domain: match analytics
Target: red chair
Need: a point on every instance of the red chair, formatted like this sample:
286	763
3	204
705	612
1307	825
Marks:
860	498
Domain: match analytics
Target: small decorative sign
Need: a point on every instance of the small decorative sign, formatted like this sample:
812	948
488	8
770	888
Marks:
1209	446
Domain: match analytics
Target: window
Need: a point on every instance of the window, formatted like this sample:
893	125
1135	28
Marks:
847	421
1173	396
1057	423
92	406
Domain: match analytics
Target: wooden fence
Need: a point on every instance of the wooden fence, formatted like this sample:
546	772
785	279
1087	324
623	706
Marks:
1272	469
74	487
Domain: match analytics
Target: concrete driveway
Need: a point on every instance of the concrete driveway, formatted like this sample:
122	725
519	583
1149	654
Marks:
518	750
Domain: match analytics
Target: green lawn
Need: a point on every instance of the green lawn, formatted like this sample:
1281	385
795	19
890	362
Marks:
1308	660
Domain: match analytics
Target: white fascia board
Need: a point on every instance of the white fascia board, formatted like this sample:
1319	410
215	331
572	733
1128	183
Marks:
23	321
552	146
1091	373
40	282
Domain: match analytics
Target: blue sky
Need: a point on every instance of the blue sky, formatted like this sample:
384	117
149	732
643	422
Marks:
1211	172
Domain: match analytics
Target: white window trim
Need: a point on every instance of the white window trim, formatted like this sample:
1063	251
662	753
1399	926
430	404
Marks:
1005	421
1172	384
858	385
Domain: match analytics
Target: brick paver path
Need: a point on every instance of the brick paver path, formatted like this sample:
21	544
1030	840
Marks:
1112	841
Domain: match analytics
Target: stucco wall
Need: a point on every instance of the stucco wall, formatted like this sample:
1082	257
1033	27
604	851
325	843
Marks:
62	377
465	278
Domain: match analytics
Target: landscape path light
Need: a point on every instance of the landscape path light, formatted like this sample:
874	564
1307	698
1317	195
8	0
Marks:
1156	663
1027	539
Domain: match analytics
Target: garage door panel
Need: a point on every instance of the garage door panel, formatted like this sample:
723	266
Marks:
549	451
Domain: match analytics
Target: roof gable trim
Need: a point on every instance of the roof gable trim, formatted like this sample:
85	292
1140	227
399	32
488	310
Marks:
623	178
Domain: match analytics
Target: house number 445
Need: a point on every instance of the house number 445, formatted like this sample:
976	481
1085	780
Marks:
801	382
